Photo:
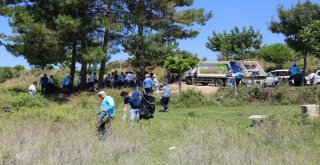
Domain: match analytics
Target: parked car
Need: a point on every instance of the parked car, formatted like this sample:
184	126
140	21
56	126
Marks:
276	77
280	76
316	80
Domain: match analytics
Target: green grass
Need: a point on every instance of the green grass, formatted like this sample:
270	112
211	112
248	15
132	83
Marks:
65	134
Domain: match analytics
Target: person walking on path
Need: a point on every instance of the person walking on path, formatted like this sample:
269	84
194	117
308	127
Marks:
164	101
134	100
106	113
44	84
147	84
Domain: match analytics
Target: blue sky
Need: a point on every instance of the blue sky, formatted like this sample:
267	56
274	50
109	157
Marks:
227	14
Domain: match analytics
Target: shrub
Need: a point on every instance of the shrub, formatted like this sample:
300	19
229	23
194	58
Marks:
17	89
27	100
192	98
283	95
5	73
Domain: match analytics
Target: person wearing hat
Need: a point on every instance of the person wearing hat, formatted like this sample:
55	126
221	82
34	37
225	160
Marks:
147	84
107	112
155	83
295	74
164	101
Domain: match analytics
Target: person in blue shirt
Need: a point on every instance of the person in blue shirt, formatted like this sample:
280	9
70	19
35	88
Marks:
238	77
166	92
147	84
107	112
134	100
66	83
44	84
295	74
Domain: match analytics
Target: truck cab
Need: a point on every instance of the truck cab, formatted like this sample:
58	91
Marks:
216	72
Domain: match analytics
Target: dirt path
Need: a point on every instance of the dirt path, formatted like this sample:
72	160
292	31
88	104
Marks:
208	89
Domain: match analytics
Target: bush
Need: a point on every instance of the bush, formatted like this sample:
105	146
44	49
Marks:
8	72
283	95
192	98
18	89
27	100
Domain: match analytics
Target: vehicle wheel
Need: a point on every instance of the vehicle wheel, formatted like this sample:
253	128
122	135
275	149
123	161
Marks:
204	83
189	81
219	82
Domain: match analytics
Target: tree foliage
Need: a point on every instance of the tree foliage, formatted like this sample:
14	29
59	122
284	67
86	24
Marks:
311	35
235	44
276	53
291	22
9	72
159	17
180	63
155	51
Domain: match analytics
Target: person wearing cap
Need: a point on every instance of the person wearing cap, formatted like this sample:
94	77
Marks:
155	83
164	101
295	74
33	88
107	112
134	100
147	84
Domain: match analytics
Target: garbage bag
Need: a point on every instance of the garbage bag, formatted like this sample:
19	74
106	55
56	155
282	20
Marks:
148	106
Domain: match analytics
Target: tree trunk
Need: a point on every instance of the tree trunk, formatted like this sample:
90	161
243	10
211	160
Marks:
83	84
140	56
180	82
102	72
304	61
73	63
304	68
105	48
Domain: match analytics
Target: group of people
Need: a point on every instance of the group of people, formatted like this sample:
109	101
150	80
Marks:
47	85
129	79
113	80
107	108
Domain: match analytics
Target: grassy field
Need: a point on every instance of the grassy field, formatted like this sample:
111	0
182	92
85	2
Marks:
62	131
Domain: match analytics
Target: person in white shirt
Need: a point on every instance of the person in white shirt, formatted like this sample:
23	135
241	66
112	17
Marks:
78	83
33	88
311	77
91	80
51	84
155	83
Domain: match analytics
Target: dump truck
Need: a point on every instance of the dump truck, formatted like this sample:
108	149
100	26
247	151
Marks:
216	72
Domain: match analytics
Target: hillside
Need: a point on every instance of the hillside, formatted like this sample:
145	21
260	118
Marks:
199	129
